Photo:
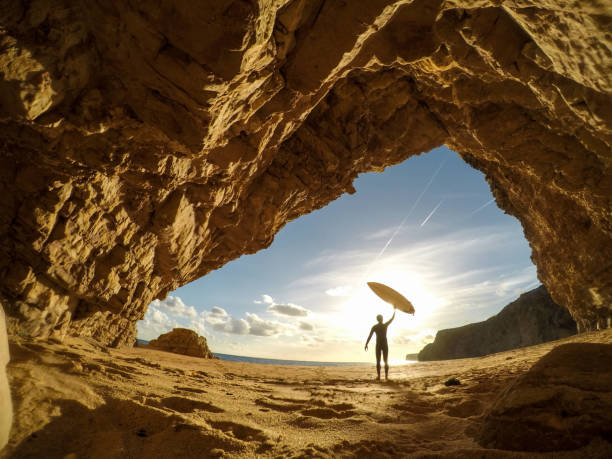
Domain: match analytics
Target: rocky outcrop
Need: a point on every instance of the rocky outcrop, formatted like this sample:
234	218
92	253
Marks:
562	403
183	341
6	413
146	144
533	318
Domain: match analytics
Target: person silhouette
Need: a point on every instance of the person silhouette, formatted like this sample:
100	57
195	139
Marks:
382	346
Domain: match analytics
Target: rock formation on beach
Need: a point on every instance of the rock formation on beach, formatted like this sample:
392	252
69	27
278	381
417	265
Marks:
145	144
533	318
183	341
562	403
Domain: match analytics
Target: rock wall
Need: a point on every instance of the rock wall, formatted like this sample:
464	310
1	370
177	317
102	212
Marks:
533	318
6	404
146	144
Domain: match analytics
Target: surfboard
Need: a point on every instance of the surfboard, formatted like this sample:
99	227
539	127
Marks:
389	295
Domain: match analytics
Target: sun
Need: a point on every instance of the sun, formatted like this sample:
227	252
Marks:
358	313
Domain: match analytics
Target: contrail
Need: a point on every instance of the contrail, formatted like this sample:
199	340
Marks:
416	203
431	213
482	207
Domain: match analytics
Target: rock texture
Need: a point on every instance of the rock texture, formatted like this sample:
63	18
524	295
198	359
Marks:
146	144
183	341
564	402
6	405
533	318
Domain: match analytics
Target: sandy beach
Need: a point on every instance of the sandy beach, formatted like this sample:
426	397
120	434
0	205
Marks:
77	399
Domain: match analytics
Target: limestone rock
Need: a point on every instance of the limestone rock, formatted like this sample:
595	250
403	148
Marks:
183	341
145	144
562	403
6	405
533	318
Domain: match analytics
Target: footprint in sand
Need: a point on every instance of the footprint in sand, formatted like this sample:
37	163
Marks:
368	448
466	409
187	405
281	407
306	422
111	371
335	406
417	407
308	409
144	362
125	371
289	399
189	389
327	413
201	376
173	372
70	355
239	431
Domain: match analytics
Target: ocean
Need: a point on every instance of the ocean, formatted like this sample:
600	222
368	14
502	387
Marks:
306	363
309	363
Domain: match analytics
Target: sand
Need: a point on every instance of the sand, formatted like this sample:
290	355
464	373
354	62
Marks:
77	399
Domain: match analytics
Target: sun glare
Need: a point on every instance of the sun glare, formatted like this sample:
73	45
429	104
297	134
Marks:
358	313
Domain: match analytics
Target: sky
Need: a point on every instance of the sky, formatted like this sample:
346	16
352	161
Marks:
428	227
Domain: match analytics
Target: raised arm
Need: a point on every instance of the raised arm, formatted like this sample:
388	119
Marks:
391	319
369	337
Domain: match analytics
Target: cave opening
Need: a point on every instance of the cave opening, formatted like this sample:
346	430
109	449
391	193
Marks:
428	226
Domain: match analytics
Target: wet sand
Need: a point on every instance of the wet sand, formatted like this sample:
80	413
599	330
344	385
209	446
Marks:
77	399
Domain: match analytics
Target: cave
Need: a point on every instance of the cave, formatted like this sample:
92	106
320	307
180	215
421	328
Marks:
141	153
146	145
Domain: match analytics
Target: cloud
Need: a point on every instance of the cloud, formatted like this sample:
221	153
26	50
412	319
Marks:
175	306
519	283
454	247
217	311
260	327
413	341
383	233
215	316
311	340
155	323
341	290
198	325
402	340
288	310
158	317
254	325
306	326
232	325
265	299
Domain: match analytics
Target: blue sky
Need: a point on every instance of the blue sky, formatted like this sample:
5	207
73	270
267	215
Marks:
457	257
